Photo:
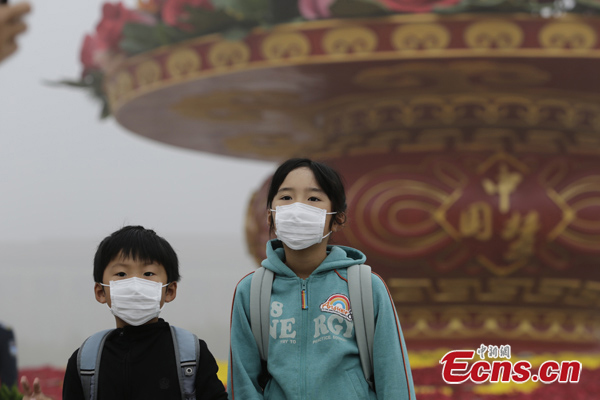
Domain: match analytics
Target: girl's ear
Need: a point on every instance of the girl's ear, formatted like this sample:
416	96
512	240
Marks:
339	222
269	217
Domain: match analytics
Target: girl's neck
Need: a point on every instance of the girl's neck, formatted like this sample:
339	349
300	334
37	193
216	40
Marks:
304	262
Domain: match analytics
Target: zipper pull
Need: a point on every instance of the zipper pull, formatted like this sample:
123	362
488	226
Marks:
303	296
304	304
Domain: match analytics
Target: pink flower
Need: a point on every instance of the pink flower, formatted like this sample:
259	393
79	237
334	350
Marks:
114	17
417	5
315	9
88	53
174	12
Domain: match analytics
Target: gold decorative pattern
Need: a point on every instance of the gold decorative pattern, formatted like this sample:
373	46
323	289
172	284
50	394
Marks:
124	84
279	46
421	37
355	40
183	62
571	200
568	35
547	291
506	323
148	72
228	54
429	111
494	34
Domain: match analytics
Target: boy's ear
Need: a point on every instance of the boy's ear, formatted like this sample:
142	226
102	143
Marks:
171	292
100	293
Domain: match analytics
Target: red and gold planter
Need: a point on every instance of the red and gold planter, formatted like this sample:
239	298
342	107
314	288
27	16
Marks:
471	149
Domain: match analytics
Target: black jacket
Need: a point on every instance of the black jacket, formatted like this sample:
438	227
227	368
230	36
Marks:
138	362
8	357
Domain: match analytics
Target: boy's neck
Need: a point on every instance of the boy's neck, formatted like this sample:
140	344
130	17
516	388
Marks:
123	324
305	262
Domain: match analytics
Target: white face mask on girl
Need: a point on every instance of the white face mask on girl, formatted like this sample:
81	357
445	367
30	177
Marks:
299	225
135	300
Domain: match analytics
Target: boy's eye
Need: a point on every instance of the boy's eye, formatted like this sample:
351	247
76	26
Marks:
314	199
121	274
148	273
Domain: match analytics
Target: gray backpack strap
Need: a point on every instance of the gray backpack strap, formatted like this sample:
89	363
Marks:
187	357
88	363
360	291
260	299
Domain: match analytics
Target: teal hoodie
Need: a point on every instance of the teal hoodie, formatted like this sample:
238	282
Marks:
313	353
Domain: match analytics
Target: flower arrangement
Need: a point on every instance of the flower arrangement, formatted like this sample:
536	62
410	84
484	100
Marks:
124	32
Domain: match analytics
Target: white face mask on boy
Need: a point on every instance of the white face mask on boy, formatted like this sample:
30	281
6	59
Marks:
135	300
299	225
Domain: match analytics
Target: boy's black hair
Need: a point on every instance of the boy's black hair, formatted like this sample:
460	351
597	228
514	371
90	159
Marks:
140	244
327	178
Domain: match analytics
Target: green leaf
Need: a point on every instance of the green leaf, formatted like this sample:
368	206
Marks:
357	8
10	393
256	10
207	21
284	11
138	38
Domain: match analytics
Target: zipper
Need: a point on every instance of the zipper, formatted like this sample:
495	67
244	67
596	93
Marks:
304	338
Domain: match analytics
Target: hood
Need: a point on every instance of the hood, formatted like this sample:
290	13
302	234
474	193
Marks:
337	257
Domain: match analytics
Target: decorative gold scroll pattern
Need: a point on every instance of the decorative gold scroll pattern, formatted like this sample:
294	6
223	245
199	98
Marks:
526	291
573	200
410	37
568	35
279	46
148	73
183	62
377	198
428	37
358	40
228	54
462	110
494	34
507	323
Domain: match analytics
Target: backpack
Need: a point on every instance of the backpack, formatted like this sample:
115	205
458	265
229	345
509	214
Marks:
361	302
187	356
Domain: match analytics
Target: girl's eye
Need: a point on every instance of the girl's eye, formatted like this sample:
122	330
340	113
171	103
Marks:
149	273
121	274
314	199
286	197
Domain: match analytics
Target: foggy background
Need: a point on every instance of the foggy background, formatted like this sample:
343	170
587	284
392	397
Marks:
68	179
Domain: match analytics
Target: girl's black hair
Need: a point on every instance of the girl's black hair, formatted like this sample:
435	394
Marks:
140	244
327	178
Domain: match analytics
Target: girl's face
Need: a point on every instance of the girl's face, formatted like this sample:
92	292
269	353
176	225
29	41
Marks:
300	186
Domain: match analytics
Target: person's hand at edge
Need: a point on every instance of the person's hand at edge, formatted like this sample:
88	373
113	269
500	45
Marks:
11	26
35	393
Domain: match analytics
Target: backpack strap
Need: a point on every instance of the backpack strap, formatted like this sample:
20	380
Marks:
88	363
260	299
187	357
360	292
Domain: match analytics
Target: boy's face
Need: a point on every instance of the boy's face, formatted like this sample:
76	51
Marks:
123	268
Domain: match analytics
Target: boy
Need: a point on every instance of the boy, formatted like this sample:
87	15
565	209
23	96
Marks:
136	273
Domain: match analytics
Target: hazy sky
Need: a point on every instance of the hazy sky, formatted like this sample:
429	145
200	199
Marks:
65	173
68	179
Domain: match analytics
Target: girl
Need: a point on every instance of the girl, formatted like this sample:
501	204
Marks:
313	353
